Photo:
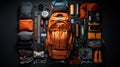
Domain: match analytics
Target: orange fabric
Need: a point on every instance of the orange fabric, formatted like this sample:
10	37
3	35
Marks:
96	56
94	35
98	36
54	18
100	57
57	13
91	35
59	54
82	11
88	6
58	38
26	24
93	7
58	35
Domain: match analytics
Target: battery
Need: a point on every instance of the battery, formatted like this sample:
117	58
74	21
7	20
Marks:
45	14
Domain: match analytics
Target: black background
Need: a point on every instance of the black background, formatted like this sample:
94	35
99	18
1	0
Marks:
8	32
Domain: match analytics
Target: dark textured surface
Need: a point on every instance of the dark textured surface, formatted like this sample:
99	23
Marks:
8	32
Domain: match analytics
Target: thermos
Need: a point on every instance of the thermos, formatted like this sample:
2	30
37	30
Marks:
72	9
77	9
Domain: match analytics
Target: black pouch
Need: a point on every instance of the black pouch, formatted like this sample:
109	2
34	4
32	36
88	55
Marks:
25	35
24	60
26	9
25	52
85	53
59	9
25	43
95	44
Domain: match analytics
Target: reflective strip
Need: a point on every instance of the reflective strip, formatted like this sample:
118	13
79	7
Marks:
43	34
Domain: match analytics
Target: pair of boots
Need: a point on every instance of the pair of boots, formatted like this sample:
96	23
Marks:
98	56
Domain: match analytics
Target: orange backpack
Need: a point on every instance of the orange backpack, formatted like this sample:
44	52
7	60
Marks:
59	36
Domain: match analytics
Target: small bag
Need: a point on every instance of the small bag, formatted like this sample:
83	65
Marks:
25	52
94	35
59	9
91	35
95	43
25	43
25	24
98	36
25	35
59	6
26	9
85	53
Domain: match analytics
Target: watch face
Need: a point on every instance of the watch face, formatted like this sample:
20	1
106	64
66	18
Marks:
45	14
